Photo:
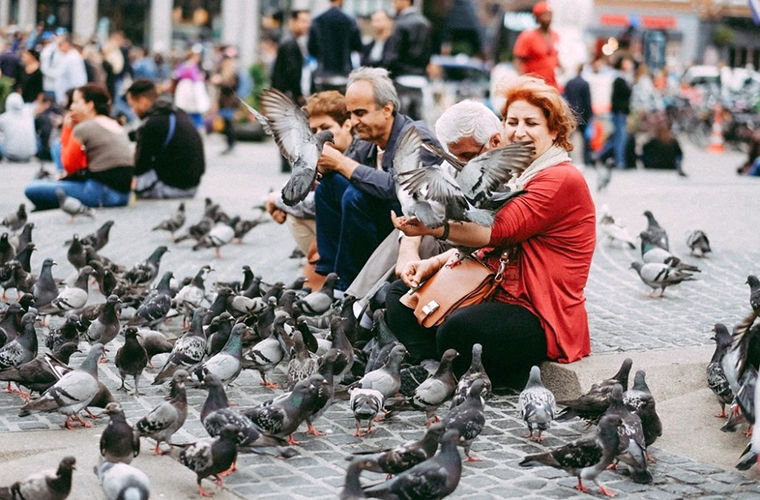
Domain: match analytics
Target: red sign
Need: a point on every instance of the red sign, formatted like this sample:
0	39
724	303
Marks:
647	22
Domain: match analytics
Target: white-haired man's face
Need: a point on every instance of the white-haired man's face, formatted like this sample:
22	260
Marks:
467	148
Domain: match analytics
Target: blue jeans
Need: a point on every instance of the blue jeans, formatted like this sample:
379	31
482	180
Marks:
616	142
350	225
90	192
754	170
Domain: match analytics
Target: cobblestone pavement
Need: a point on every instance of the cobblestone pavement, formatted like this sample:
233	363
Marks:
621	318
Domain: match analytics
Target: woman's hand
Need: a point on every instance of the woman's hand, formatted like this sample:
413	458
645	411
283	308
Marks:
417	271
413	227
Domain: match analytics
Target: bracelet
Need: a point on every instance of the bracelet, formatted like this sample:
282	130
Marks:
445	235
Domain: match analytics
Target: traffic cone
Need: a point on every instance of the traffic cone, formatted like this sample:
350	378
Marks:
716	135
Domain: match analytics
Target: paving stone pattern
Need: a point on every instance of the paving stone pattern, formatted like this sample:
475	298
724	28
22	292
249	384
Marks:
621	319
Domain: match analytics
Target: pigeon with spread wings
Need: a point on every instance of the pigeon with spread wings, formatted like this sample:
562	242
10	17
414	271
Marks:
283	119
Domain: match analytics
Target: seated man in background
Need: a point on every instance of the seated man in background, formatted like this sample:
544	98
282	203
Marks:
358	190
326	111
169	159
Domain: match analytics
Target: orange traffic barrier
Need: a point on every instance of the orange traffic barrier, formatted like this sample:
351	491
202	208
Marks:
716	135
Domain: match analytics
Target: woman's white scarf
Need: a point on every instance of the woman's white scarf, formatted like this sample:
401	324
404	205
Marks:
552	156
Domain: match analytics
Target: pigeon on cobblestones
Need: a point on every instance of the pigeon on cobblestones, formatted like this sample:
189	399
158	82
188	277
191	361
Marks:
7	250
385	379
15	220
157	305
99	238
404	456
219	235
191	296
754	293
320	301
43	371
11	323
283	119
120	481
106	326
23	348
468	419
72	393
265	355
650	252
632	447
698	242
437	388
187	352
716	378
166	418
146	271
592	405
660	276
432	479
365	404
218	332
154	343
71	298
751	453
536	404
173	223
586	458
73	206
131	359
46	485
352	488
119	442
379	347
227	363
302	363
655	232
640	401
24	257
211	457
476	371
45	289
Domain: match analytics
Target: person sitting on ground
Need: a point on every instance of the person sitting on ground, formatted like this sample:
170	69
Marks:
18	139
97	158
326	111
538	311
358	191
169	160
662	151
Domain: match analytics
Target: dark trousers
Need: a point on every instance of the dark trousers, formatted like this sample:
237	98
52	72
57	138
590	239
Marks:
511	336
588	159
350	225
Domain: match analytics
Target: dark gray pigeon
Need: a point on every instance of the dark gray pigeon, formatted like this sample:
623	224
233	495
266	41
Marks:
25	236
23	348
640	401
698	242
438	388
173	223
303	363
655	232
352	488
586	458
76	253
592	405
286	121
46	485
536	404
660	276
73	206
24	256
43	371
187	352
632	448
7	250
754	293
146	271
379	347
432	479
320	301
404	456
227	363
468	419
119	442
476	371
45	289
121	481
131	359
156	306
15	220
99	238
166	418
211	457
716	378
106	326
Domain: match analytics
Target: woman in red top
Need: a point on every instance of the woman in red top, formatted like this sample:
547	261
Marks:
538	313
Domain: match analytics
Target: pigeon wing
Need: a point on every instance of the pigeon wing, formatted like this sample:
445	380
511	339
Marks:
289	124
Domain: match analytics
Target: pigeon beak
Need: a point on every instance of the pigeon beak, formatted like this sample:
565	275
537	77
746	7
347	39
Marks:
55	263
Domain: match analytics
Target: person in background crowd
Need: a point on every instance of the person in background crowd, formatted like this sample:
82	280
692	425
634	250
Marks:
68	69
621	107
535	50
143	67
578	96
333	36
227	82
409	55
97	158
29	83
663	150
49	56
10	64
375	53
18	140
46	117
169	159
190	94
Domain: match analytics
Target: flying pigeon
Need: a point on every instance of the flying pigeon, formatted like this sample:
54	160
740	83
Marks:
584	459
173	223
698	242
46	485
122	481
660	276
365	405
211	457
473	373
716	378
640	401
404	456
131	359
536	404
72	393
15	220
73	206
119	442
166	418
283	119
655	232
434	478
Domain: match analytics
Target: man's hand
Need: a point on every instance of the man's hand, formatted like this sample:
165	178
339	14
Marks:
417	271
271	207
332	160
413	227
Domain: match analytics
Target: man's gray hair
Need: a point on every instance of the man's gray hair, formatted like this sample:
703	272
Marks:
467	119
382	86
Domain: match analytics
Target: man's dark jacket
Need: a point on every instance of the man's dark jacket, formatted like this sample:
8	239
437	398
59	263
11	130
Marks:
410	44
332	37
286	73
181	162
578	95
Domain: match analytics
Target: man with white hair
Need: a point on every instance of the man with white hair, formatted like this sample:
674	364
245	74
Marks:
357	191
466	130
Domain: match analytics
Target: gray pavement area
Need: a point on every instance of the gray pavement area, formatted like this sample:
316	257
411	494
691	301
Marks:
622	319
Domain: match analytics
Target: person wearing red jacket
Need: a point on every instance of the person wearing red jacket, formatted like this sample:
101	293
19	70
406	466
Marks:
538	312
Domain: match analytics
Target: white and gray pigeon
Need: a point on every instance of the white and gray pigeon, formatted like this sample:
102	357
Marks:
320	301
173	223
52	484
220	235
365	404
121	481
698	242
660	276
537	404
656	233
716	377
15	220
613	231
650	252
386	379
227	363
265	355
476	371
287	122
23	348
72	393
188	350
191	296
166	418
71	297
586	458
73	206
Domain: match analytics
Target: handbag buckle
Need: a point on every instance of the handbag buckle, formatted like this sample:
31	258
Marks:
503	260
430	307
